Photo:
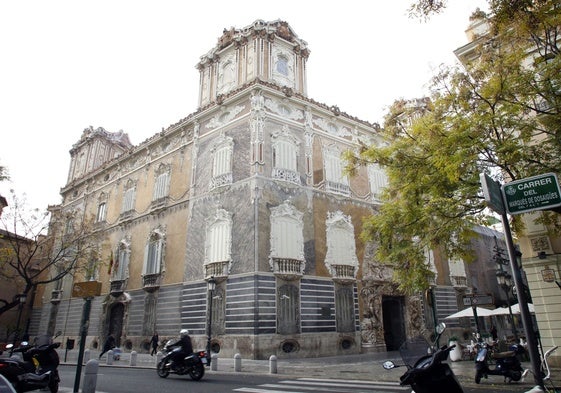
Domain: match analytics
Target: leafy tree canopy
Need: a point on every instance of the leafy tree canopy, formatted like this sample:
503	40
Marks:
500	113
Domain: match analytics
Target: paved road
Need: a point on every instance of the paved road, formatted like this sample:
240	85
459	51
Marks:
364	369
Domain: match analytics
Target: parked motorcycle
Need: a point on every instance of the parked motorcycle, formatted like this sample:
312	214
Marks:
193	364
426	372
32	367
507	363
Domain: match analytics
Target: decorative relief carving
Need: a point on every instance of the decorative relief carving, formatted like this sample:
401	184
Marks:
284	109
225	117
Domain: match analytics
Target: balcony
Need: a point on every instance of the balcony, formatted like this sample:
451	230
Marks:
118	287
344	274
337	188
288	269
221	180
219	270
151	282
286	175
56	296
459	281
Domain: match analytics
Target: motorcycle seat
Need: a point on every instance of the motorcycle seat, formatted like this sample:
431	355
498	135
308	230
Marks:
35	377
503	355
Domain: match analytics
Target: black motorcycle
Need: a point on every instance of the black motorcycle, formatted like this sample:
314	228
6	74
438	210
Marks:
507	363
426	372
193	364
37	368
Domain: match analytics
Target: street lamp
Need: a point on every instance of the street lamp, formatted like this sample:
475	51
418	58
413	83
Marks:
211	286
505	282
21	298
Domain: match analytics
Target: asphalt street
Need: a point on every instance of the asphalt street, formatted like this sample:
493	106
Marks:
363	373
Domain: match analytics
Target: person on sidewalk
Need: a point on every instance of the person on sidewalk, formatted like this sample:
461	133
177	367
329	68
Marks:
154	343
109	344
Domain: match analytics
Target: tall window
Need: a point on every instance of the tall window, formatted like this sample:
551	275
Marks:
285	156
222	161
101	212
286	232
101	208
282	65
161	186
341	257
378	180
153	253
120	271
219	237
128	197
335	180
345	309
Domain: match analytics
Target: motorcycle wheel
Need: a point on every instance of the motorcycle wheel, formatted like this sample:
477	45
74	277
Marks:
197	372
163	372
515	375
478	375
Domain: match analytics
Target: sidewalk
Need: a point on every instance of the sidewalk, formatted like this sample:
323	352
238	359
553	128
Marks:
367	367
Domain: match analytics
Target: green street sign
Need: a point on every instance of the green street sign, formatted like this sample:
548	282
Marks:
492	193
532	193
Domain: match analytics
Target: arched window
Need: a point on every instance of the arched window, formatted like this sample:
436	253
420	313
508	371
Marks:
153	253
285	156
129	195
222	162
120	269
161	184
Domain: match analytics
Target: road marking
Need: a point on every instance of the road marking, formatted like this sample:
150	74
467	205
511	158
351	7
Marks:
305	385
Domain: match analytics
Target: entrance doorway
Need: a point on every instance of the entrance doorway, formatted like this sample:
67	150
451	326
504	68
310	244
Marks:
116	322
394	323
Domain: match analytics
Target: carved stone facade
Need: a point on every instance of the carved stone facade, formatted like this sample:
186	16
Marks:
248	189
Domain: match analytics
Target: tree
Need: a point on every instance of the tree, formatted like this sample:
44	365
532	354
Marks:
501	114
4	173
36	250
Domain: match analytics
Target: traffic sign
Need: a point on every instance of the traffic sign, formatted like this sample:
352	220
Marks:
532	193
492	193
477	300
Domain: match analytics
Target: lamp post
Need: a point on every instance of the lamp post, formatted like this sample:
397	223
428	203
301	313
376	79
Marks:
211	286
21	299
504	279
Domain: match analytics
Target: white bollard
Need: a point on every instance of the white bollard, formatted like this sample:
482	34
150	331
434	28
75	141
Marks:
87	355
272	364
132	362
110	357
159	357
214	362
90	376
237	362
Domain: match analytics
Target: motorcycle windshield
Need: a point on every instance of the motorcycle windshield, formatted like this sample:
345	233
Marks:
413	349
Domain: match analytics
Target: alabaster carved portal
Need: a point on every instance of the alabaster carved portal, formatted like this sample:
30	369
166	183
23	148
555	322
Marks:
375	286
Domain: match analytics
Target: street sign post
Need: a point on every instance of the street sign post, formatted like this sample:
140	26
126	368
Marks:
532	193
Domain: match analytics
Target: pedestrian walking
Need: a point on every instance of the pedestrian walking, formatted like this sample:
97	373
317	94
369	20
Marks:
154	343
109	345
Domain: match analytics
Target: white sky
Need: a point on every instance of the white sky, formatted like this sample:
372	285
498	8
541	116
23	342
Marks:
130	65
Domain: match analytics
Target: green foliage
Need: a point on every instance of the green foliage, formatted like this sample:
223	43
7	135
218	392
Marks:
500	114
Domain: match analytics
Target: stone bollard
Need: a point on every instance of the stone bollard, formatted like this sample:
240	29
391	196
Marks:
87	355
90	376
237	362
272	364
159	357
214	362
110	357
132	362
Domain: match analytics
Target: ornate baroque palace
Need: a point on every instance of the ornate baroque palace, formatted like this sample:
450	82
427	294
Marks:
249	190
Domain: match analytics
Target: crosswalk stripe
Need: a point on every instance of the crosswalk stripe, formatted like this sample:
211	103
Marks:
305	385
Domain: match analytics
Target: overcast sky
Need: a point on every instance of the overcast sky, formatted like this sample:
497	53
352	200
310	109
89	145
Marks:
130	65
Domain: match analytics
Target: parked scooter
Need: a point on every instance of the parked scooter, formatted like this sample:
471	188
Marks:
37	368
426	372
193	364
507	363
